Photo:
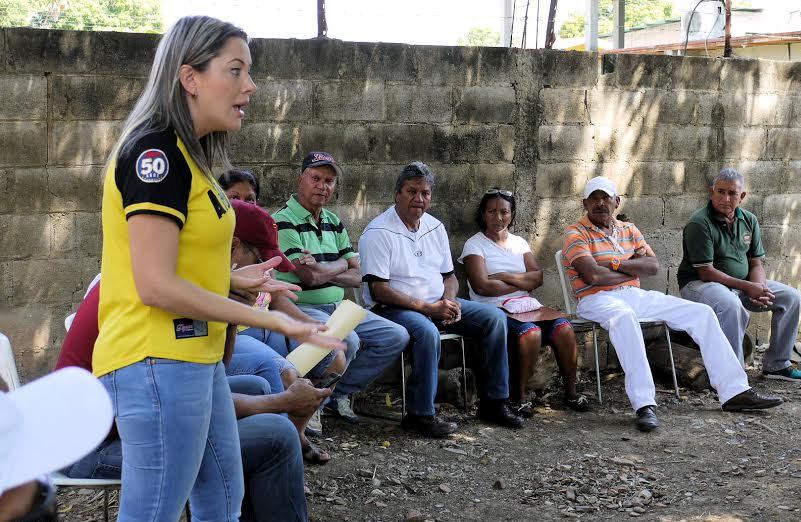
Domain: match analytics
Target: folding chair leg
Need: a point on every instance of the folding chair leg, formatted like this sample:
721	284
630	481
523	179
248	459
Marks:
597	364
403	385
672	364
105	504
464	375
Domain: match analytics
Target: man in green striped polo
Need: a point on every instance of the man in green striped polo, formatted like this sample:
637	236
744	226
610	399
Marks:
316	241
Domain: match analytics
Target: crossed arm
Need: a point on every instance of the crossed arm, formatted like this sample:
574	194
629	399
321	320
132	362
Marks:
342	272
502	283
601	274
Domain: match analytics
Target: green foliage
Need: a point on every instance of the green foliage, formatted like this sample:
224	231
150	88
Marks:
481	37
638	12
142	16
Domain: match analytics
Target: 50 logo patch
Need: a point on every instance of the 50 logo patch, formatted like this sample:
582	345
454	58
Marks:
152	166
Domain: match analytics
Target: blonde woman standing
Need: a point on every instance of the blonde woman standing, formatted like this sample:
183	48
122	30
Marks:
167	229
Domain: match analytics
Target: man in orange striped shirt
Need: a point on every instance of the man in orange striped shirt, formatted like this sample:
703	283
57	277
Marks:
605	259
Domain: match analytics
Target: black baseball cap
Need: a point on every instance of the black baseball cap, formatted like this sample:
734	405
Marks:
316	159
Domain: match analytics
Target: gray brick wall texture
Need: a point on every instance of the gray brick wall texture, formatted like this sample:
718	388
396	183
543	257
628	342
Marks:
538	122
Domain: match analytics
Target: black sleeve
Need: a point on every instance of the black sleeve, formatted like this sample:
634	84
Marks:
153	177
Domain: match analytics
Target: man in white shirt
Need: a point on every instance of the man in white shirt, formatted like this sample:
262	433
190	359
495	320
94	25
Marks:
408	270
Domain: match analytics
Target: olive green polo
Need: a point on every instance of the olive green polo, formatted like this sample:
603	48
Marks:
708	240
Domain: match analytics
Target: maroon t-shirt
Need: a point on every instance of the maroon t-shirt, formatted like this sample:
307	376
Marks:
80	341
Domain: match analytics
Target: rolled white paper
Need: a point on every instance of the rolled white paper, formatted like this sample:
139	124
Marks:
342	322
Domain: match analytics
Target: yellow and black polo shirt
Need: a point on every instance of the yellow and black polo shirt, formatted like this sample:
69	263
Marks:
158	176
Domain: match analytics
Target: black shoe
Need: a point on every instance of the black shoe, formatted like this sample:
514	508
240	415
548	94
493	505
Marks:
521	409
498	412
751	399
428	425
646	418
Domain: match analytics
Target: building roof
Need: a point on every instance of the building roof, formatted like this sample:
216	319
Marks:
750	40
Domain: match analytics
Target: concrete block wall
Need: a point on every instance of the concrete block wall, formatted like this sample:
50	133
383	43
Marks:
538	122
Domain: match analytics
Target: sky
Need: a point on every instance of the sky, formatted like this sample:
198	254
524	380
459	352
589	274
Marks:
425	22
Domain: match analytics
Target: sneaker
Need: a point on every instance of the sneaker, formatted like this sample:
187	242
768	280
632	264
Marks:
750	400
790	373
498	412
340	407
428	425
314	428
522	409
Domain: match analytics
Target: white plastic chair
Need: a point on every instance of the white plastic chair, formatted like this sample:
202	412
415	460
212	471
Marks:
569	298
8	371
443	336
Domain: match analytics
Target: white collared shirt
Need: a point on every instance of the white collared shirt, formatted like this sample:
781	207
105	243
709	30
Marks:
412	262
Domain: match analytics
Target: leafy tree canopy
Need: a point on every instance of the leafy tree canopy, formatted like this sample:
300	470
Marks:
638	12
481	37
142	16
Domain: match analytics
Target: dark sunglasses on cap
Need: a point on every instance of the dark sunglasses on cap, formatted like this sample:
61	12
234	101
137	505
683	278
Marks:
507	193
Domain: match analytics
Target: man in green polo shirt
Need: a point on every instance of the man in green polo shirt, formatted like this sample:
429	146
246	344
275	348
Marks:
723	268
318	244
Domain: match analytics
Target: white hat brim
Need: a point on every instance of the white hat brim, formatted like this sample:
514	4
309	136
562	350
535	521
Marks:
59	419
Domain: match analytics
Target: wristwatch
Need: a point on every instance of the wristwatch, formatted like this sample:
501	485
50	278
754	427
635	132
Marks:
615	264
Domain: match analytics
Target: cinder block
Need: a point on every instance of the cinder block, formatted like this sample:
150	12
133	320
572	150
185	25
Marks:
399	143
278	182
72	189
274	100
492	104
375	184
486	175
63	234
748	76
465	65
614	107
76	52
647	212
418	103
792	177
699	175
679	208
568	68
94	97
350	101
26	191
781	241
632	143
35	339
486	143
23	97
667	245
563	142
677	107
782	209
657	282
694	72
755	203
565	106
746	143
655	177
761	176
348	143
690	142
783	143
260	142
82	142
24	236
561	179
23	144
89	234
788	110
60	281
5	279
637	71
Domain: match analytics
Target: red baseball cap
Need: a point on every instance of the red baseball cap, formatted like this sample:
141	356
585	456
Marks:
258	229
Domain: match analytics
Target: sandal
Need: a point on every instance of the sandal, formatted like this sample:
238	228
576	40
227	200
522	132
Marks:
524	409
580	403
313	454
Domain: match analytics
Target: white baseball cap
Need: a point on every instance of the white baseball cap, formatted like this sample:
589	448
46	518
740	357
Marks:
50	423
600	183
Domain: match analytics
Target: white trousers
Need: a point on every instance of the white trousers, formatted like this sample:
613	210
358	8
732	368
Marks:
619	313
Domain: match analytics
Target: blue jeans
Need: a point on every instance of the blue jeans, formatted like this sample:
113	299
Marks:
382	342
179	440
483	322
252	357
271	459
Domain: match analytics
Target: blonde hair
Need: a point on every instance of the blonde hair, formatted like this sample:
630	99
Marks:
193	41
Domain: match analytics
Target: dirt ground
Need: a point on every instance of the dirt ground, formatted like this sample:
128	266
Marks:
701	465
